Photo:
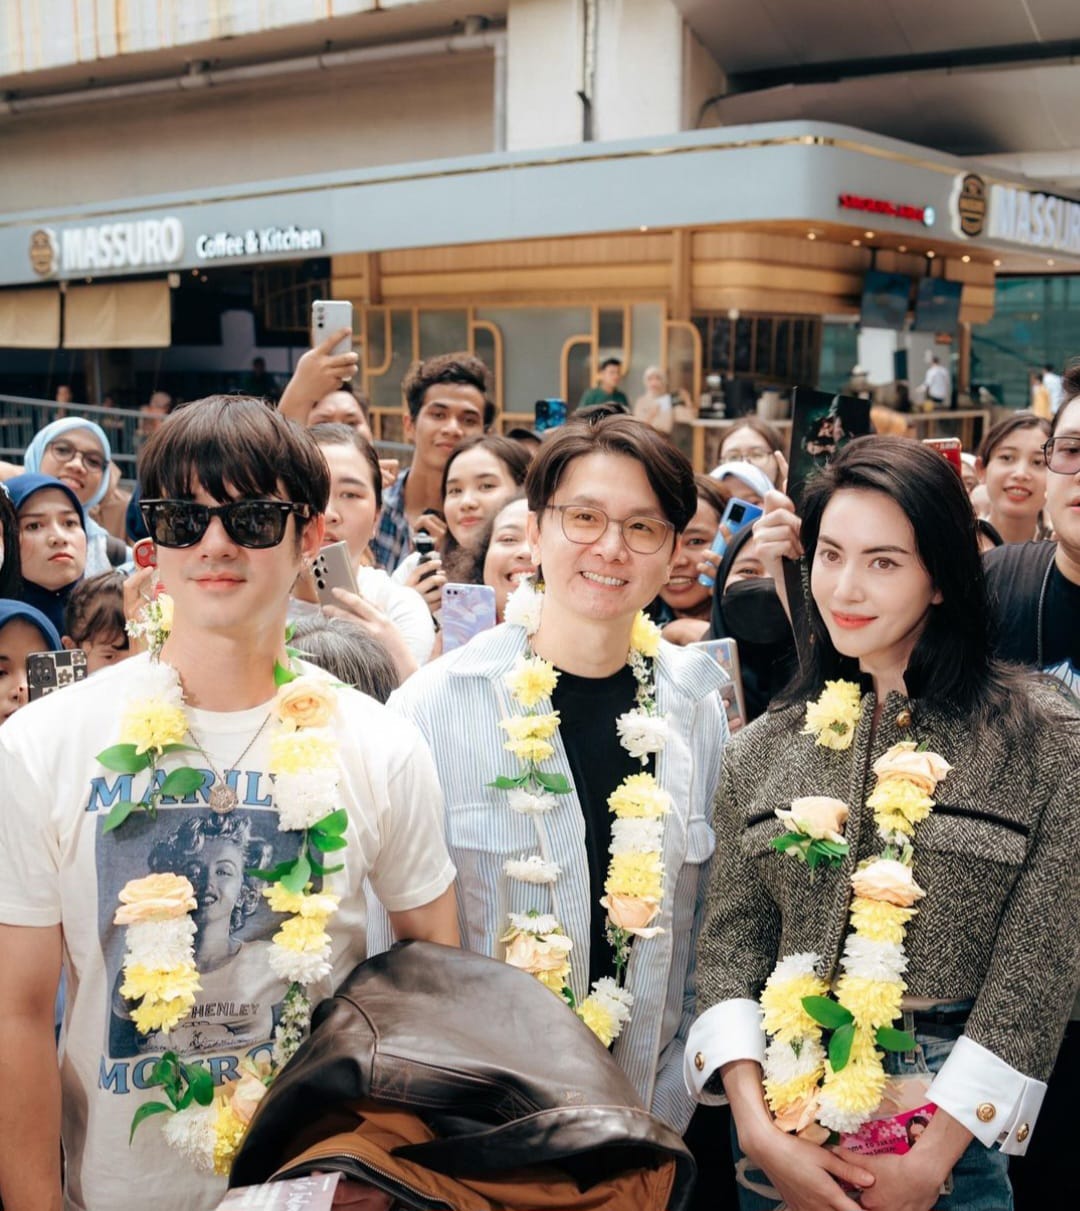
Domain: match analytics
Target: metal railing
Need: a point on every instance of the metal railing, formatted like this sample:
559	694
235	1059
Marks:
21	417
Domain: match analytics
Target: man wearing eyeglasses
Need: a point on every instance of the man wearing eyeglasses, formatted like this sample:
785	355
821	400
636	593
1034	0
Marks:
234	496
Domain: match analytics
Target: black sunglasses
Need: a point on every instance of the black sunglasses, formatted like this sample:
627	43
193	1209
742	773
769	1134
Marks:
249	523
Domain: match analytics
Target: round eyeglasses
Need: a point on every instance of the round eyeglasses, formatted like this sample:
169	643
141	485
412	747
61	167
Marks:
585	524
1063	455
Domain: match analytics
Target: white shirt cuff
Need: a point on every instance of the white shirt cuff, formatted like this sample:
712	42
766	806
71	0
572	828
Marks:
730	1030
995	1102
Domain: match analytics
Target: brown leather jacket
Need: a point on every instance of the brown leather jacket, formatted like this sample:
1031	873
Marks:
453	1080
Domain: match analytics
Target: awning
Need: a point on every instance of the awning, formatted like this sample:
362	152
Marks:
118	315
29	319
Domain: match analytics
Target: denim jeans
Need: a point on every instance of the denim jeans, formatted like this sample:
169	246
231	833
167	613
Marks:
980	1179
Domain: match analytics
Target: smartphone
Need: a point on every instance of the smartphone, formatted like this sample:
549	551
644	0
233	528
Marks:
424	546
47	672
821	426
328	315
143	553
549	414
332	570
467	609
737	516
726	654
949	447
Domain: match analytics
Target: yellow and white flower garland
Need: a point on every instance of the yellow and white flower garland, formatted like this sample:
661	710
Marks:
159	965
634	888
813	1089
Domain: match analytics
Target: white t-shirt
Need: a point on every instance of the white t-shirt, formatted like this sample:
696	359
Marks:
56	866
938	382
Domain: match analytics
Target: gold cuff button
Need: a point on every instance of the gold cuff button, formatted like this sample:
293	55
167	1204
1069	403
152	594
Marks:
986	1112
903	718
1022	1132
699	1062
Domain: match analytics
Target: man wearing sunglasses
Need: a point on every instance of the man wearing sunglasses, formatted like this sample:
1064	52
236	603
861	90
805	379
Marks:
233	498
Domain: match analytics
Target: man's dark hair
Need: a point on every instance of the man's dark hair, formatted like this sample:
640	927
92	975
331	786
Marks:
669	473
460	369
611	361
236	447
344	435
1070	389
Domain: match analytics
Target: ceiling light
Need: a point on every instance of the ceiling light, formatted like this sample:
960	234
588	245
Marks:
643	228
931	253
868	235
1050	261
965	258
901	248
997	264
811	235
856	243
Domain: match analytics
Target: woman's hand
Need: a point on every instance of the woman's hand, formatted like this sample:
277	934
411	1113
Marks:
782	468
710	561
776	534
685	630
806	1175
902	1183
372	619
317	373
136	590
428	578
388	470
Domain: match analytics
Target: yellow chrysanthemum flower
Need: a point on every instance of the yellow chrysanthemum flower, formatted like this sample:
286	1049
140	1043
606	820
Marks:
873	1002
153	1014
879	921
645	635
639	797
303	934
531	727
598	1019
635	875
160	985
281	899
782	1012
228	1132
857	1087
530	750
151	724
166	610
898	805
833	717
554	980
296	752
531	680
782	1095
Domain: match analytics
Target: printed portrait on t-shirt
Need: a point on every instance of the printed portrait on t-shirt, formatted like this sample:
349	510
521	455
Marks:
237	1006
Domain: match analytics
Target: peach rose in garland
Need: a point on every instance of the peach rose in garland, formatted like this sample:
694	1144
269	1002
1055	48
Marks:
925	769
306	701
817	816
155	898
887	880
245	1095
634	914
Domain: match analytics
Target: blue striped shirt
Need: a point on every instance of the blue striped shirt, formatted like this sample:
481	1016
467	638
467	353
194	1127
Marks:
457	702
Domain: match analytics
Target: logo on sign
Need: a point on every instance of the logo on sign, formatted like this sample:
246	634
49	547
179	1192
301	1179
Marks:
971	205
44	252
895	210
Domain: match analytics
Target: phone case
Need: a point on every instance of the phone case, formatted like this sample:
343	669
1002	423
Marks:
328	315
726	654
737	516
467	609
331	570
47	672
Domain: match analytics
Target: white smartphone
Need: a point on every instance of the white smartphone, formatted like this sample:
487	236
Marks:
332	570
328	315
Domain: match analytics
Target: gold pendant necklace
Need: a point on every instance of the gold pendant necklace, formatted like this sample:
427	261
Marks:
223	799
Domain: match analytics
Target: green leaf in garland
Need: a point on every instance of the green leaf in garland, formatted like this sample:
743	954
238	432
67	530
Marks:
840	1046
119	813
827	1012
503	783
297	878
181	782
789	841
290	631
123	759
270	876
320	870
178	748
556	783
889	1039
144	1112
200	1083
327	844
333	825
282	675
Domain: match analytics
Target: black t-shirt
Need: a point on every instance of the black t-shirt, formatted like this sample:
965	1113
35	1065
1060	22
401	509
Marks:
588	708
1015	573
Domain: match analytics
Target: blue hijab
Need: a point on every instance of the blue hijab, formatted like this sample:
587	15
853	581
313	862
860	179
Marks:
19	611
51	602
44	437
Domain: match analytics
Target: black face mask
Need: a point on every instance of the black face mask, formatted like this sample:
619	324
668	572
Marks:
753	614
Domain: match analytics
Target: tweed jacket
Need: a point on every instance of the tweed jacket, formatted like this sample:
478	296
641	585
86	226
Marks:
457	702
997	858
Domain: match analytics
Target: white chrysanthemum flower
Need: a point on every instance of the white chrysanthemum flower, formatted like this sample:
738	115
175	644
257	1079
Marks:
161	945
615	1000
528	803
300	966
783	1065
830	1116
641	734
531	870
633	836
542	923
789	968
523	607
158	681
191	1133
870	960
304	799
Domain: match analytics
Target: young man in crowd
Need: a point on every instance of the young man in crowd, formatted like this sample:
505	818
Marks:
607	390
233	497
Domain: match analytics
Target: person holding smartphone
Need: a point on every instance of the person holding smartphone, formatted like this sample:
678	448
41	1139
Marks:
899	682
608	504
23	631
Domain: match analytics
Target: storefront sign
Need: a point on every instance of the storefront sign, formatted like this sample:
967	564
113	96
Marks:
141	244
1020	216
895	210
221	245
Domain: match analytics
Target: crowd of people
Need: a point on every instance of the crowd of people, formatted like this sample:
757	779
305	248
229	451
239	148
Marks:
829	935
